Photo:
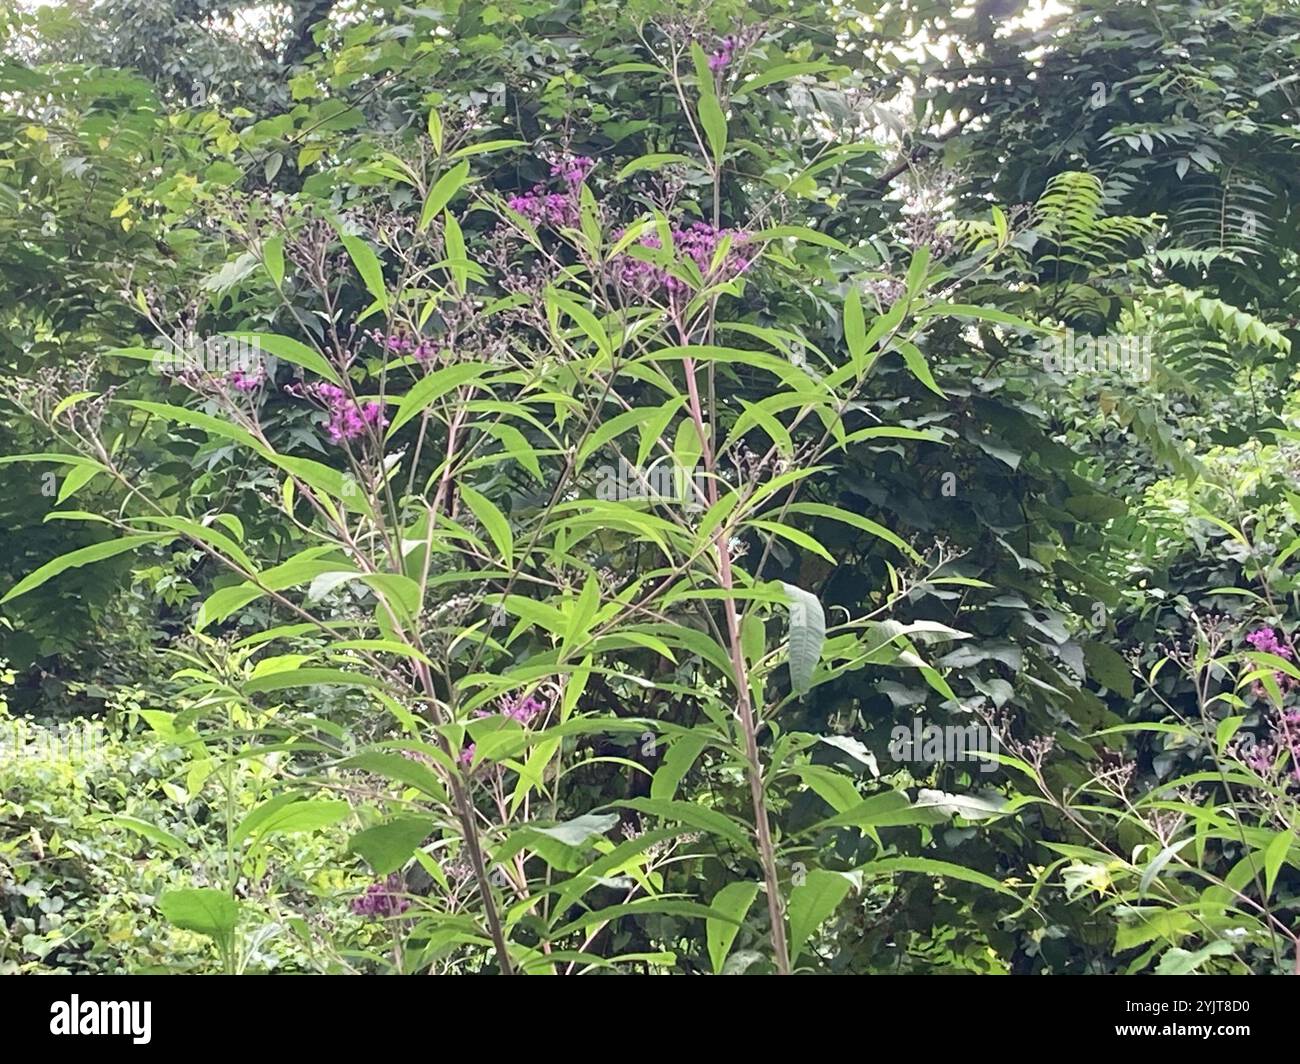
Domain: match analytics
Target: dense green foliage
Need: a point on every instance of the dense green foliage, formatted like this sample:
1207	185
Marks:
498	480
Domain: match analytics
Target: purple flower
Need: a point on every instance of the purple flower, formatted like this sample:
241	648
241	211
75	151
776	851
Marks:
382	899
722	56
347	418
467	756
545	208
573	169
524	709
246	380
700	243
542	207
887	290
1265	641
1261	757
422	350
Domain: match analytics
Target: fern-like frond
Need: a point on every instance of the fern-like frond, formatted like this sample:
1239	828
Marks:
1233	211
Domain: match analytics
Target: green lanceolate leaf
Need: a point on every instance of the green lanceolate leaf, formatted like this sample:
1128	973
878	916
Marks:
812	902
444	189
288	349
734	901
807	636
712	120
77	558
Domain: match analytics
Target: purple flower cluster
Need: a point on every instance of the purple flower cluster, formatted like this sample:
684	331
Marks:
382	899
887	290
720	58
1283	738
698	241
572	170
422	349
525	709
1265	641
467	755
541	207
348	418
1260	757
246	380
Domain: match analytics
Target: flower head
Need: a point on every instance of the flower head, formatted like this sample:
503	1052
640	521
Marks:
246	380
421	348
701	243
1265	641
382	899
720	58
572	170
348	419
524	709
543	207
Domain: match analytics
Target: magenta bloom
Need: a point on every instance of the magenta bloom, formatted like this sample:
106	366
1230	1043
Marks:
524	709
422	349
1265	641
699	242
347	418
467	756
722	56
382	899
1261	757
573	169
542	207
246	380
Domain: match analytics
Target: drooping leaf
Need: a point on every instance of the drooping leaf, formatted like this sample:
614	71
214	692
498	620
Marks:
77	558
807	636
